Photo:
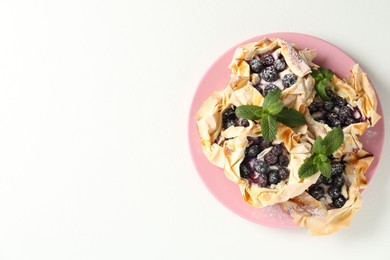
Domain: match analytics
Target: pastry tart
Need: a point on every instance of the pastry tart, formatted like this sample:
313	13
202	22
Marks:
275	64
352	106
267	172
217	122
330	203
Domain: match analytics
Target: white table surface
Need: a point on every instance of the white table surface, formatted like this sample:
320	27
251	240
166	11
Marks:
94	103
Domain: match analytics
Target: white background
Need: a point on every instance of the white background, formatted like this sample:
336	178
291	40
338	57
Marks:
94	103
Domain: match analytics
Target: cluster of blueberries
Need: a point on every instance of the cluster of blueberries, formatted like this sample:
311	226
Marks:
229	118
336	112
331	185
269	70
270	169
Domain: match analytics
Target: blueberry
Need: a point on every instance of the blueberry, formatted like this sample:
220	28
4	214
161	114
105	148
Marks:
335	123
228	123
333	119
313	108
253	150
244	171
349	121
332	116
337	168
264	144
334	192
255	65
254	139
316	191
273	177
345	112
283	160
260	166
242	122
339	101
267	60
268	88
338	181
270	158
228	113
289	80
324	180
277	149
283	173
328	105
330	93
262	180
280	65
269	74
339	202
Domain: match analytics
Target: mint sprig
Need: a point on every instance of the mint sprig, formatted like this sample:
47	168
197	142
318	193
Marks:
322	77
272	112
321	149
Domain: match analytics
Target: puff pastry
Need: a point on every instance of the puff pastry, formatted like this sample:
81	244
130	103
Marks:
275	63
320	216
360	105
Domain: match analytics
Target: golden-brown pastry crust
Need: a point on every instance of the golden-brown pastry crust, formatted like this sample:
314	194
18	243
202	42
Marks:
359	93
308	212
298	145
299	63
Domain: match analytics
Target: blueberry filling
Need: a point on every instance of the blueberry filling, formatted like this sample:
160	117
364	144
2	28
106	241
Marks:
335	112
229	119
268	88
270	72
289	80
264	164
330	190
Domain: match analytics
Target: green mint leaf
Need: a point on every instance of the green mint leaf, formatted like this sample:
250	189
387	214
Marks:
318	146
333	140
259	113
308	168
271	98
317	75
275	108
290	117
320	88
327	74
248	112
320	158
269	127
325	168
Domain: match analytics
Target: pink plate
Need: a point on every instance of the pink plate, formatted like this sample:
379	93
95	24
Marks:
217	77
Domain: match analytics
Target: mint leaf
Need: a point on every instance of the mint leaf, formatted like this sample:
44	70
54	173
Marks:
308	168
320	158
320	88
249	112
271	98
275	108
317	75
290	117
327	74
333	140
325	168
259	113
269	127
318	146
